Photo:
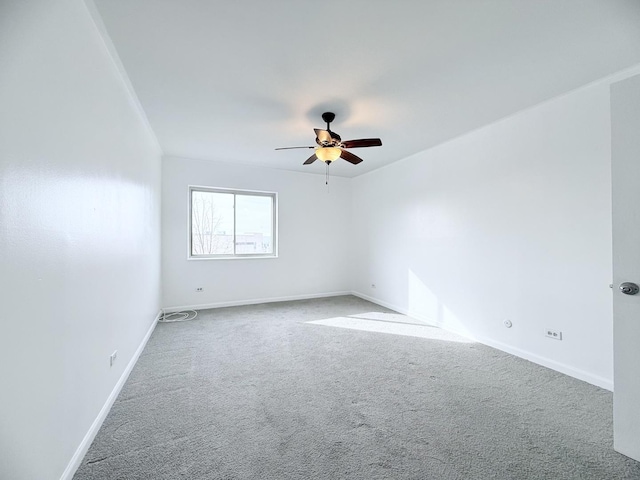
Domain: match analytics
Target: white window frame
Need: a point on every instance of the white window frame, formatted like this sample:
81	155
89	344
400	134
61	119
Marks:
229	256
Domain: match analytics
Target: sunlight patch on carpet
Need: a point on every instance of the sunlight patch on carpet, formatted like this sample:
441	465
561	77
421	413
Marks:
394	324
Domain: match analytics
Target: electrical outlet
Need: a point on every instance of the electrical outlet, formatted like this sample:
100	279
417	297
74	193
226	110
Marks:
507	323
112	358
555	334
199	289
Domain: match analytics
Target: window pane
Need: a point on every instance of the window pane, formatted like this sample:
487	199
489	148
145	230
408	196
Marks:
211	223
254	224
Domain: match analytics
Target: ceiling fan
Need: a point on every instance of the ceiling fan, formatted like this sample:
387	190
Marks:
331	147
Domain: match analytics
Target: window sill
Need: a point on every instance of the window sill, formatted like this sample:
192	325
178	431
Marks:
246	257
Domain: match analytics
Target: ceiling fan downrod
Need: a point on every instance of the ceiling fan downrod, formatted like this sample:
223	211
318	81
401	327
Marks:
328	117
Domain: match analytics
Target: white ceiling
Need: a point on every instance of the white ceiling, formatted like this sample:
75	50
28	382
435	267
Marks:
231	81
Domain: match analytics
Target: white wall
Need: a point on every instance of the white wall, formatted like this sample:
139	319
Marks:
79	232
313	242
512	221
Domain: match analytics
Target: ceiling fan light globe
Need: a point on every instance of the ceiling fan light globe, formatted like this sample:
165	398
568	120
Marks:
328	154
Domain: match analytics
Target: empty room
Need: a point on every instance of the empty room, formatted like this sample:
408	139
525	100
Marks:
340	240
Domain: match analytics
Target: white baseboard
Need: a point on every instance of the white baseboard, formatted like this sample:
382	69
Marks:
253	301
547	362
388	305
532	357
81	451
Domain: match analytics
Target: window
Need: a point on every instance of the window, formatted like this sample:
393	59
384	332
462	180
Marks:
232	223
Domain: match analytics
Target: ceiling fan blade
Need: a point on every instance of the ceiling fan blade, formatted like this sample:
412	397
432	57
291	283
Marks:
290	148
350	157
322	136
362	142
311	159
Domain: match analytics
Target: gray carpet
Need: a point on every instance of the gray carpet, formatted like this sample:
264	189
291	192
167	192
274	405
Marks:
255	392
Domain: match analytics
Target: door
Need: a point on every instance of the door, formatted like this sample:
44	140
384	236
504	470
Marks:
625	159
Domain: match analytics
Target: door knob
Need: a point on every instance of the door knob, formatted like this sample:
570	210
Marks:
629	288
